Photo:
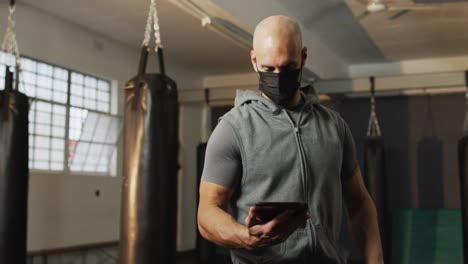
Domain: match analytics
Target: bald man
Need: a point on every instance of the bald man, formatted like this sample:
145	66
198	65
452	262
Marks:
280	145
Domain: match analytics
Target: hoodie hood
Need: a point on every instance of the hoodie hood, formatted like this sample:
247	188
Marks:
246	96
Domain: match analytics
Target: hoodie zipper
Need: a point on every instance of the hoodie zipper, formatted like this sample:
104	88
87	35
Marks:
297	135
305	173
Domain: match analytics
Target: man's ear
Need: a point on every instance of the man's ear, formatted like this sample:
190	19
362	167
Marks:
304	56
253	60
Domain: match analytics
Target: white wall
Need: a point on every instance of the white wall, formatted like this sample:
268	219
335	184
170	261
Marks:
63	210
428	65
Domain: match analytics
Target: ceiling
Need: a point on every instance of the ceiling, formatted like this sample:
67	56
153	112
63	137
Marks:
186	42
441	32
376	39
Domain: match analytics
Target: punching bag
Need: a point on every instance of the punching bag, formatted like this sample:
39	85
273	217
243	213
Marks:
206	251
375	175
463	170
149	197
430	166
14	173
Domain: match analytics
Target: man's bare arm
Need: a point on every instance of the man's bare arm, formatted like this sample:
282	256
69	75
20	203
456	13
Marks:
216	225
363	217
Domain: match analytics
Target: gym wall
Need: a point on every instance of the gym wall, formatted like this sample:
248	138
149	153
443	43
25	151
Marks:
404	123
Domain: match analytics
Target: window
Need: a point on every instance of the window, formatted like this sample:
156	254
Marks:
70	124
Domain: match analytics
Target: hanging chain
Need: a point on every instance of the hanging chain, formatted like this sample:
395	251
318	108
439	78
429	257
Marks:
373	128
10	45
152	20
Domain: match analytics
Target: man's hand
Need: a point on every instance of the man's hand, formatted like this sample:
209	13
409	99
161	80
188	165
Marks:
273	232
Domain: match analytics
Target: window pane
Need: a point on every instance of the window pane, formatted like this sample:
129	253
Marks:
90	93
41	165
44	106
44	69
76	90
7	59
90	104
29	89
58	132
41	154
28	65
43	118
98	140
77	78
56	166
49	87
43	130
59	120
44	81
44	93
57	156
103	107
60	85
29	77
76	101
42	142
60	97
60	73
90	82
59	109
58	144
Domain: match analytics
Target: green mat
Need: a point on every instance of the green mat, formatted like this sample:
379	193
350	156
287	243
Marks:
427	236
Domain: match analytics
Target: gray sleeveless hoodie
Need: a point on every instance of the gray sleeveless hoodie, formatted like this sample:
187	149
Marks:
285	162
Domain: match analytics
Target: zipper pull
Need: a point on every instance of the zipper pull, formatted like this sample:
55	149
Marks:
297	130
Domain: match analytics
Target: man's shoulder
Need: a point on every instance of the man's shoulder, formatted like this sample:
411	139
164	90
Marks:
330	115
326	111
238	113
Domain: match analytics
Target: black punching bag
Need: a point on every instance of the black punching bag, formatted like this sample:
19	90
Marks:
149	198
14	173
463	170
375	176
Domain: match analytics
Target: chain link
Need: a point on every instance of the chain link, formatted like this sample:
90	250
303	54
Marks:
373	128
152	19
10	45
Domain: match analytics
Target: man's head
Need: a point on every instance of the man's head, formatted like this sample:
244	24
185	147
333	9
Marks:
277	45
278	56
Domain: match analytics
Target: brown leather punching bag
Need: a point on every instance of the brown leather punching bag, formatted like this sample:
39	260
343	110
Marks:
149	198
375	176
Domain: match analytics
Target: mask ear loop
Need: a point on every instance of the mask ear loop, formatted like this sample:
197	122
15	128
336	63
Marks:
256	68
302	69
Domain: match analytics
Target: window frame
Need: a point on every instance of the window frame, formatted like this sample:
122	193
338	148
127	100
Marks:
66	166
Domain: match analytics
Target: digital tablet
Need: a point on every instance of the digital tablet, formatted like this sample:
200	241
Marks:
266	211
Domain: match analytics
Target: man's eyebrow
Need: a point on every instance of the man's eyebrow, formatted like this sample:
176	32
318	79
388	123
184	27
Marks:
288	63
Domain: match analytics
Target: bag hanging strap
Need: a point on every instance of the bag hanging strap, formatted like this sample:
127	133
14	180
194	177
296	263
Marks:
373	129
153	23
9	44
465	129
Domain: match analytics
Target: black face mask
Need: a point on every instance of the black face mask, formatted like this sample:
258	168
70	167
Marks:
280	87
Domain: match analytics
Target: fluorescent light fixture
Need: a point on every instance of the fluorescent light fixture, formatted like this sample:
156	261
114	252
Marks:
221	26
434	91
